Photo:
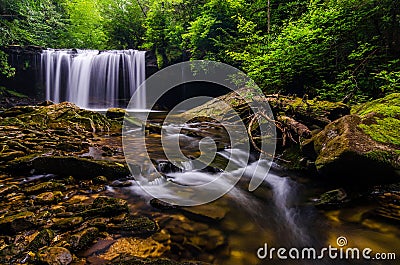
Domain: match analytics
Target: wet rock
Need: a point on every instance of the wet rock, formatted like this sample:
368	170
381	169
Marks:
48	197
159	204
8	189
44	238
208	212
55	256
333	199
134	226
100	180
107	206
73	166
82	240
17	222
45	186
138	247
116	114
66	223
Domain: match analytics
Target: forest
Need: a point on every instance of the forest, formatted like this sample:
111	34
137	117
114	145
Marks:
339	50
101	164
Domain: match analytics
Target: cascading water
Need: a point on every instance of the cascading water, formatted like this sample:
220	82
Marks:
94	79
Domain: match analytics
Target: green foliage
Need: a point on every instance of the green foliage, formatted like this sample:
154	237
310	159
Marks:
123	23
85	29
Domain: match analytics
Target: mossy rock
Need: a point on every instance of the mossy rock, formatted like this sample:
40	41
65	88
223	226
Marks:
364	147
67	223
18	222
83	168
381	119
45	187
139	226
106	206
83	239
43	239
59	116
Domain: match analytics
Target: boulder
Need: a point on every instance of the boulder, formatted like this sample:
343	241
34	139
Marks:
363	147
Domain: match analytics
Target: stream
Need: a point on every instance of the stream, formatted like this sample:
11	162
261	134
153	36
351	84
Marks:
280	213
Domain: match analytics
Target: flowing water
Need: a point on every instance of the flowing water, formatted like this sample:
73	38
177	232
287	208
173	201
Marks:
279	213
93	79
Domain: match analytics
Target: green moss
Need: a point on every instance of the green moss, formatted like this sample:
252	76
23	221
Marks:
385	130
8	92
388	106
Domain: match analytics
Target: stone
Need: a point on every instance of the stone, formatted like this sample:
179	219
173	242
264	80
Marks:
364	147
48	197
332	199
45	187
207	212
133	225
55	256
44	238
15	223
66	223
116	114
82	240
107	206
74	166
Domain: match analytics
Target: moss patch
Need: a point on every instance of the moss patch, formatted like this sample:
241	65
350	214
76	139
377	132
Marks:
381	119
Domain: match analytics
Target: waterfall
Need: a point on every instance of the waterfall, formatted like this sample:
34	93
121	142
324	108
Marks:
94	79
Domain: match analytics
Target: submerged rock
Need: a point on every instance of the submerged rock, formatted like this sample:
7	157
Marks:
363	146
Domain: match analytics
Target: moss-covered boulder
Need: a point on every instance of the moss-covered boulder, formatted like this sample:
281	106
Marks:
363	147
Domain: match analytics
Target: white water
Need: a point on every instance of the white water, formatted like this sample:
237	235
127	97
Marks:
284	198
93	79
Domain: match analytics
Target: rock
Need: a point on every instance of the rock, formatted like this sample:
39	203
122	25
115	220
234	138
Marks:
82	240
107	206
363	147
208	212
44	238
159	204
48	197
8	189
71	166
55	256
134	226
138	247
45	186
15	223
100	180
66	223
116	114
332	199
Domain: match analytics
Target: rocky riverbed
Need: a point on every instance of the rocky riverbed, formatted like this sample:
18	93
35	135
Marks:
63	175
